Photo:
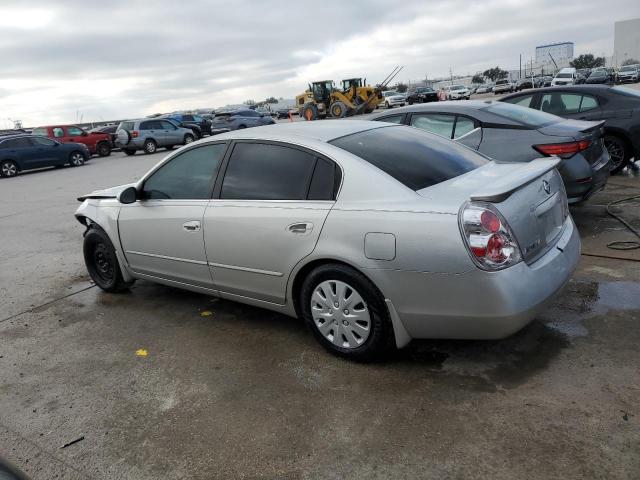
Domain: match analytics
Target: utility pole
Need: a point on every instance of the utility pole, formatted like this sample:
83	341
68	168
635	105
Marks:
520	74
451	75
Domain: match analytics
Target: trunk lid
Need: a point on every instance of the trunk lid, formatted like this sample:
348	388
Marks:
580	130
530	196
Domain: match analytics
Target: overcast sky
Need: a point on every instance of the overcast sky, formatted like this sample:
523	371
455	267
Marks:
62	59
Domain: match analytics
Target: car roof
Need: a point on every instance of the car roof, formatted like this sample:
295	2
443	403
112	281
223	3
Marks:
323	131
572	88
449	106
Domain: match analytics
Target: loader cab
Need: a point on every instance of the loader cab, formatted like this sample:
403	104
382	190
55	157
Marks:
322	91
350	83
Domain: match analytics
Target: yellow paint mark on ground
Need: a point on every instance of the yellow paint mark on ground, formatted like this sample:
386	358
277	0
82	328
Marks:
141	352
206	313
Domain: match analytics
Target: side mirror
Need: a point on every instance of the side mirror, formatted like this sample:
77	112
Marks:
128	195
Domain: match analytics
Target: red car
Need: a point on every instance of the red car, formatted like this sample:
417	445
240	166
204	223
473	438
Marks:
97	143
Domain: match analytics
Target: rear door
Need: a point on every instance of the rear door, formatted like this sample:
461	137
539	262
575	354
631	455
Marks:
47	151
162	233
24	152
273	201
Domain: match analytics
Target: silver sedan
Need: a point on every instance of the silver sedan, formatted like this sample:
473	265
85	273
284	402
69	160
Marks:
372	233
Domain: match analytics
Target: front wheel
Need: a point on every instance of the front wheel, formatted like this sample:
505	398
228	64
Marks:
346	313
188	139
619	152
76	159
102	262
103	149
129	151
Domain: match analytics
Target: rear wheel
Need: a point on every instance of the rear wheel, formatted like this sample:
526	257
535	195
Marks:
150	146
619	152
346	313
169	147
8	168
188	138
129	151
102	262
103	149
76	159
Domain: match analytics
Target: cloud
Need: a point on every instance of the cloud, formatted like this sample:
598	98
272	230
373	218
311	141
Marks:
127	58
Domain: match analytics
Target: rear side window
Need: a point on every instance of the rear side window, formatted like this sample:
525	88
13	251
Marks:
17	142
187	176
522	101
437	123
464	125
415	158
42	141
267	172
325	181
58	132
391	119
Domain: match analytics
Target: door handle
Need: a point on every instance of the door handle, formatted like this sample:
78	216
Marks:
300	228
193	226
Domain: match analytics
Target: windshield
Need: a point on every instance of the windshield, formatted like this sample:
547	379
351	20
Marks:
389	94
523	115
628	68
424	90
564	75
415	158
457	87
598	73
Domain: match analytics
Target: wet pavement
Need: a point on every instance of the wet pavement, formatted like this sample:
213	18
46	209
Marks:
162	383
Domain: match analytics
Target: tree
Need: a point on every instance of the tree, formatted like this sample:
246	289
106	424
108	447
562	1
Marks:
477	78
587	60
495	73
630	61
250	102
401	87
271	100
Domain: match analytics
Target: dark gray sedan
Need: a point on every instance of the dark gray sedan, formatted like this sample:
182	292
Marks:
238	119
516	134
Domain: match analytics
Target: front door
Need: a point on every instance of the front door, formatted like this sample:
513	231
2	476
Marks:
162	234
171	133
272	205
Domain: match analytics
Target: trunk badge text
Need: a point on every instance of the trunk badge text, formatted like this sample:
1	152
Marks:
546	186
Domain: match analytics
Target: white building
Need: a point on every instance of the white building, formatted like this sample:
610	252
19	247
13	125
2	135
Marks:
562	54
626	42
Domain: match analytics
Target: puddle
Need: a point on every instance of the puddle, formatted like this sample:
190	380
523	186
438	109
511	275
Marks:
617	296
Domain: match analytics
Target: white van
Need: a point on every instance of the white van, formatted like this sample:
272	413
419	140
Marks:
566	76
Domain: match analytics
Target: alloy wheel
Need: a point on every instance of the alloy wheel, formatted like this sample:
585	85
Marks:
9	169
616	152
340	314
77	159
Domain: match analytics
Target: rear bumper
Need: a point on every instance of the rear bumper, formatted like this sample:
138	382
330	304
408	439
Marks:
576	169
479	304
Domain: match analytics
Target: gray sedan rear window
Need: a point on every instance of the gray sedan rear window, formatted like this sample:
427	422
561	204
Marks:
523	115
415	158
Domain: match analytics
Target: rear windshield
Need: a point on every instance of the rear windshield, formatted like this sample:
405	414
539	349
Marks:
629	92
415	158
523	115
126	126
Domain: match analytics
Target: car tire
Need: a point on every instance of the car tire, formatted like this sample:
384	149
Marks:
8	169
76	159
129	151
240	127
410	102
102	262
619	152
338	110
103	149
310	112
188	138
170	147
364	330
386	104
150	146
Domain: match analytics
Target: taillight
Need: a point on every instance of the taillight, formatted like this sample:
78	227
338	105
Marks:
563	150
134	133
488	237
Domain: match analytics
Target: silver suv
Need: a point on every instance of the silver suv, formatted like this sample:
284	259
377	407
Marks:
504	86
148	134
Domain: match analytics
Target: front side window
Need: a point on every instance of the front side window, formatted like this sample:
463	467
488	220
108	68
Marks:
165	125
188	176
74	131
437	123
588	103
267	172
415	158
43	141
58	132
